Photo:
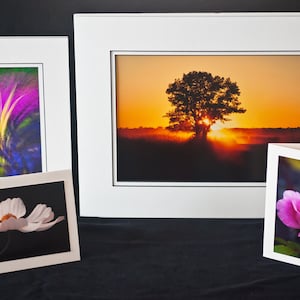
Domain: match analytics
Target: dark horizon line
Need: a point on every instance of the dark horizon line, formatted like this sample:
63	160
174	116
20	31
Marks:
230	128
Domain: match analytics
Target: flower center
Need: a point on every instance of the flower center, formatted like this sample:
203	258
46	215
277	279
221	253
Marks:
7	216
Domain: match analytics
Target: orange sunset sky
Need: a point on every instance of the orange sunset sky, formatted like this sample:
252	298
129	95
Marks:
269	86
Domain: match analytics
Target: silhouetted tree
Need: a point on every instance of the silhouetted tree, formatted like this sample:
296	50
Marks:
199	100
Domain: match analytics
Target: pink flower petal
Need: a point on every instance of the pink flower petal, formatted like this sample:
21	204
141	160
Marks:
287	213
291	194
294	197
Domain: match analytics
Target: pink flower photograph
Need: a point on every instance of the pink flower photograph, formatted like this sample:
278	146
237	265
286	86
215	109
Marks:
287	225
20	121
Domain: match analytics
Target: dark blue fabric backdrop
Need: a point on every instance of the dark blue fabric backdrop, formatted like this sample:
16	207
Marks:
143	259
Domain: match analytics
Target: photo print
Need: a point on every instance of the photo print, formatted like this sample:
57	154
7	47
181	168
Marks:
21	119
37	221
287	224
202	118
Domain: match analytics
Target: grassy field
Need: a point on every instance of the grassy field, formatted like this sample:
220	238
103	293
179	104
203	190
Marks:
229	155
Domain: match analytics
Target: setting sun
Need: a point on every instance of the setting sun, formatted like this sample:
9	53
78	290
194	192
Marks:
206	121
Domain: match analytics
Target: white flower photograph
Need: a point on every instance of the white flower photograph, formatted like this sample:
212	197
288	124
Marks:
34	221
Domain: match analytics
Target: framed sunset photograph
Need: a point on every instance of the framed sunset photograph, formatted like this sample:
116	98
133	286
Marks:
34	105
38	224
282	227
179	124
179	118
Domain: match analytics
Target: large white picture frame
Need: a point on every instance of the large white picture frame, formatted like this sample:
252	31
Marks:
97	37
50	56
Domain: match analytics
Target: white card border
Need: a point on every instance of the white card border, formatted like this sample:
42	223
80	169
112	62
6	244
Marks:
51	259
289	150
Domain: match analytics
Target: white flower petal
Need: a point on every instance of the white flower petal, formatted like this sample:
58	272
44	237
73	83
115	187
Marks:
41	214
46	226
40	226
50	216
35	214
30	227
12	211
12	224
13	206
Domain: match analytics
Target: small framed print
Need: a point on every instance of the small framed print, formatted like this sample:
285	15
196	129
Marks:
38	224
178	123
282	208
34	105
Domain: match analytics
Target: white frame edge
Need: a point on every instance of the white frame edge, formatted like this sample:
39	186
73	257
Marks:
51	259
52	52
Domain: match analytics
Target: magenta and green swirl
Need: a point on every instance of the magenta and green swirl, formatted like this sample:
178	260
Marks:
20	136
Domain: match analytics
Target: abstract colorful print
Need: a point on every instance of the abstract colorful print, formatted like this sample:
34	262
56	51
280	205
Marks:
20	134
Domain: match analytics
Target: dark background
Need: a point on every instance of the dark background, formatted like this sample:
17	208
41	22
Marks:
55	18
145	259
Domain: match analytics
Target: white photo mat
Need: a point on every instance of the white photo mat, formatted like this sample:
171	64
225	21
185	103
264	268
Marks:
96	37
62	197
283	162
51	56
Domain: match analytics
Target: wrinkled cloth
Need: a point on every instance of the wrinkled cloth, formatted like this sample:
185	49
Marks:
160	259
